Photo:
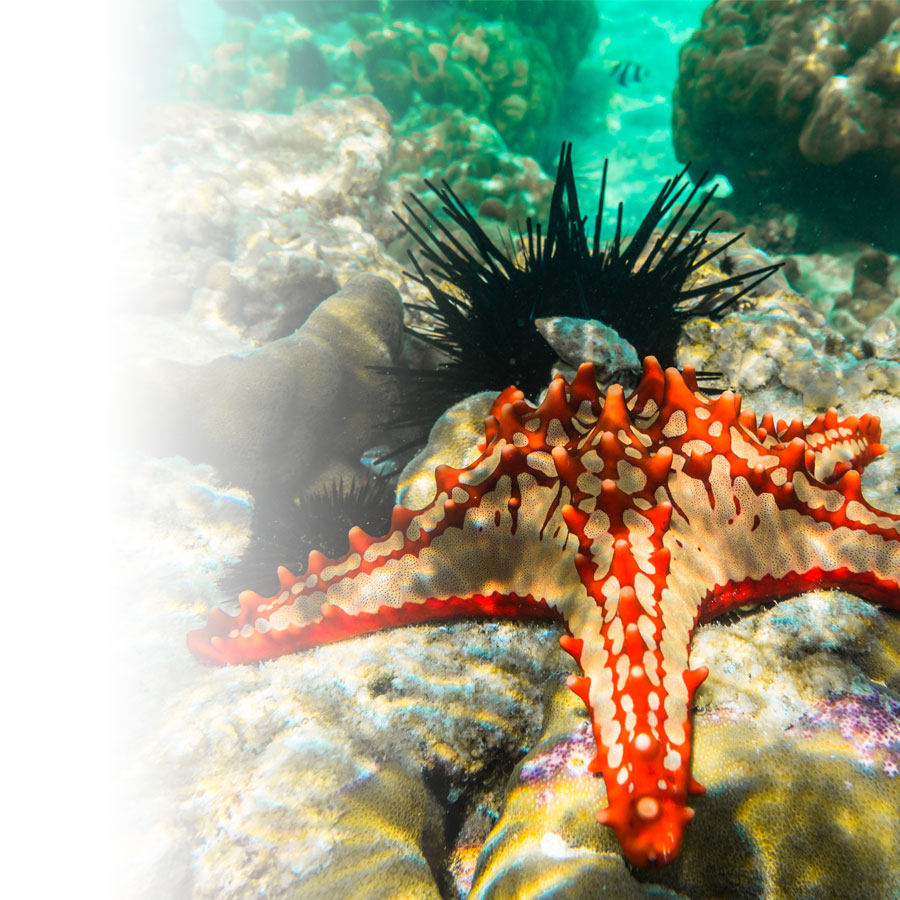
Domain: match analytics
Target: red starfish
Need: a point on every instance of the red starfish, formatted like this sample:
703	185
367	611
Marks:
631	520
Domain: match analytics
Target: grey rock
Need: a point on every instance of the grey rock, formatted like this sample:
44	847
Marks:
586	340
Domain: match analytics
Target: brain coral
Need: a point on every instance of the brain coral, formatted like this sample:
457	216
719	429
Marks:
798	101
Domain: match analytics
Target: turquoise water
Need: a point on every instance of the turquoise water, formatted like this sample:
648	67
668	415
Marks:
826	91
630	123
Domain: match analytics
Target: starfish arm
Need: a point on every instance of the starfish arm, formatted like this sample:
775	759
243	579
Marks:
475	550
833	446
763	511
772	529
492	542
632	639
630	628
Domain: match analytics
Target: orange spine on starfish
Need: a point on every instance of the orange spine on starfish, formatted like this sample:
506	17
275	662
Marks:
631	519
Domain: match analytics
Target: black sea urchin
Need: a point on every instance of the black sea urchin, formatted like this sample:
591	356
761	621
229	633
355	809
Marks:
333	510
319	520
484	322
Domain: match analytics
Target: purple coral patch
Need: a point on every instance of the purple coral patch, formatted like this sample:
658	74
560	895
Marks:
573	753
869	720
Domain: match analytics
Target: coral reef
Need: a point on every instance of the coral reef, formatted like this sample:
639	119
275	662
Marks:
504	62
249	219
441	144
237	226
241	223
377	767
798	102
779	338
488	69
